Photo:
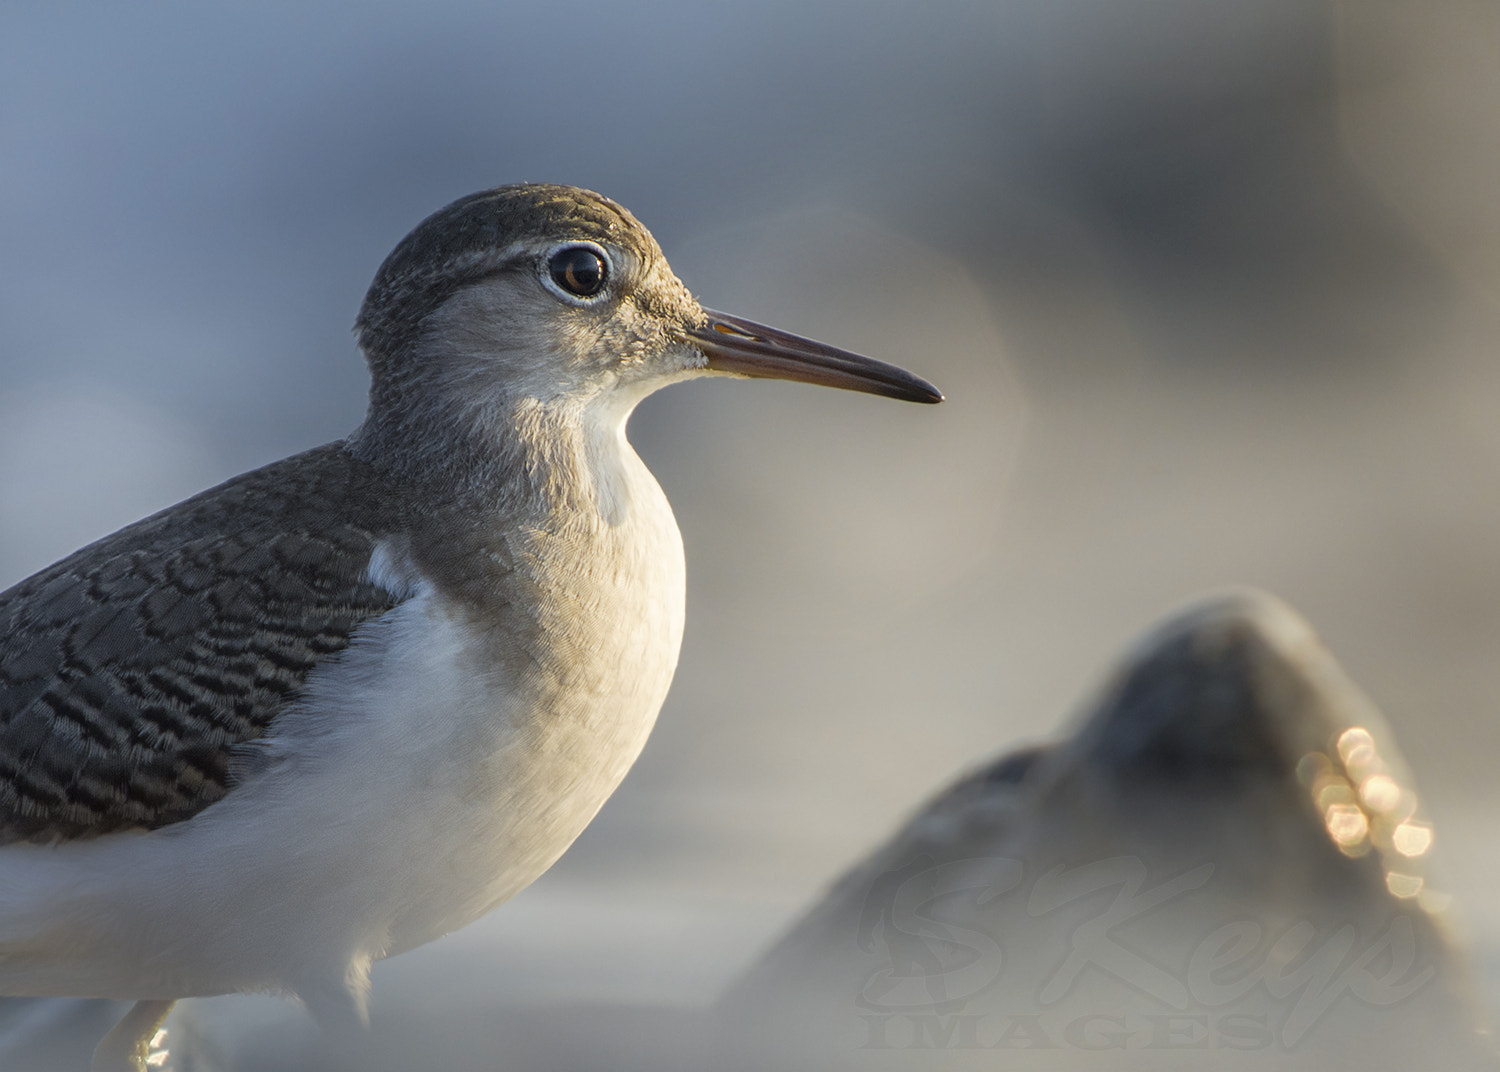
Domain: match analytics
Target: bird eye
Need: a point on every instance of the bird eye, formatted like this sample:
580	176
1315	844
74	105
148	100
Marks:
579	271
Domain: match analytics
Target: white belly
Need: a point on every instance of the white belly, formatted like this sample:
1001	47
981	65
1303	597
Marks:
417	786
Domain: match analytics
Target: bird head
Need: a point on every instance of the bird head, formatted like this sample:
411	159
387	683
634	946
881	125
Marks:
556	294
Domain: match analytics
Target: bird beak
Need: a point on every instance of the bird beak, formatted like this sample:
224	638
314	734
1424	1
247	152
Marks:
745	348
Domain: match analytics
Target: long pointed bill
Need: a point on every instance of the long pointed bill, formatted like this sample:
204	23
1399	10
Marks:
745	348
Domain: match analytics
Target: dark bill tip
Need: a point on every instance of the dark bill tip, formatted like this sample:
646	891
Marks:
745	348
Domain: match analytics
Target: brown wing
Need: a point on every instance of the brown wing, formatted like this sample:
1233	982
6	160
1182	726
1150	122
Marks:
131	669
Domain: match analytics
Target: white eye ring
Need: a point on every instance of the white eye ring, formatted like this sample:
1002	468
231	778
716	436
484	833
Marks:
577	280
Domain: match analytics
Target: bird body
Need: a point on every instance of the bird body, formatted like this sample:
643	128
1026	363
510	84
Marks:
349	702
424	774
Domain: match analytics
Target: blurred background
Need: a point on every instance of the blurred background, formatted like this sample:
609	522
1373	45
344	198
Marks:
1213	291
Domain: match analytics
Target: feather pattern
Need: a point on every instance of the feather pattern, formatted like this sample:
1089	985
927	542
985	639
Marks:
131	670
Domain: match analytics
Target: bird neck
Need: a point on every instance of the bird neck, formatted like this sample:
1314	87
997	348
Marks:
519	456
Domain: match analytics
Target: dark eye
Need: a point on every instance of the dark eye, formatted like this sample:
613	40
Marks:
579	271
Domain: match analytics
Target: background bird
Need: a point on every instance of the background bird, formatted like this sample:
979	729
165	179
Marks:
344	704
1229	797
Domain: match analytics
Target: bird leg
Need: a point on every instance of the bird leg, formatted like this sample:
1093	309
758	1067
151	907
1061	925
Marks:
126	1047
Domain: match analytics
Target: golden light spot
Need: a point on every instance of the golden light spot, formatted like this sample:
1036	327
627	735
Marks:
1412	839
1381	792
1403	885
1357	749
1346	824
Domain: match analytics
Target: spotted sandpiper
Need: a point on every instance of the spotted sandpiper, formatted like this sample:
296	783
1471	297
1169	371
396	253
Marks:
342	705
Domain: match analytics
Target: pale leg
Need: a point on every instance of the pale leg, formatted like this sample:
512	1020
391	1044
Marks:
125	1048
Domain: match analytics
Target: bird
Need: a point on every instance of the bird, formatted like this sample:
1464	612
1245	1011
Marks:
1228	830
344	704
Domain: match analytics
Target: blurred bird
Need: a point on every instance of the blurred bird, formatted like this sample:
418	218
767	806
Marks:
342	705
1228	840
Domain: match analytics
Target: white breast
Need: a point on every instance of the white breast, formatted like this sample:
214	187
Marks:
417	786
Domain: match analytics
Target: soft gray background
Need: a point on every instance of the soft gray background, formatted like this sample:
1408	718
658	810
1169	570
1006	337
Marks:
1213	289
